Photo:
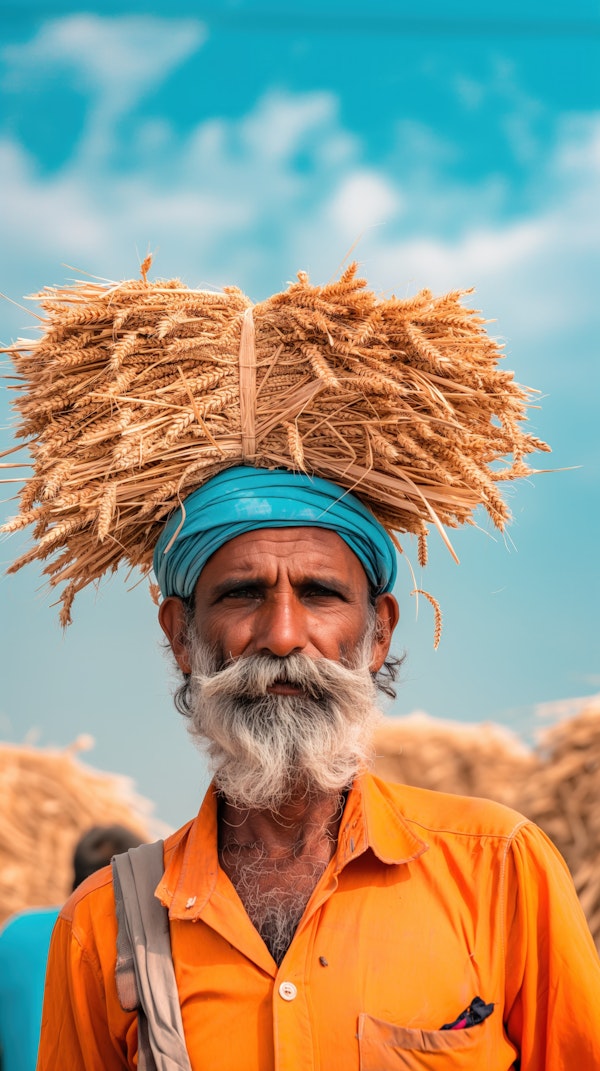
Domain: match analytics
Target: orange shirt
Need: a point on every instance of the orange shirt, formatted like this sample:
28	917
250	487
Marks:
429	901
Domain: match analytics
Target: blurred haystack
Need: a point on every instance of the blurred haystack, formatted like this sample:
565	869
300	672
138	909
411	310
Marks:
564	799
473	760
557	784
48	798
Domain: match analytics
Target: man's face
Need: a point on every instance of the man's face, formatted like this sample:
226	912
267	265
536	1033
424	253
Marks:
279	658
283	591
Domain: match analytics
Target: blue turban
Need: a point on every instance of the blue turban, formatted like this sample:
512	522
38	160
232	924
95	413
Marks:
243	499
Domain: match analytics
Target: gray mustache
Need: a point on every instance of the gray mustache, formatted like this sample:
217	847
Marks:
251	677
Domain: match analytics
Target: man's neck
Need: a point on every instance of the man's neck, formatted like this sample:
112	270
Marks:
275	860
304	825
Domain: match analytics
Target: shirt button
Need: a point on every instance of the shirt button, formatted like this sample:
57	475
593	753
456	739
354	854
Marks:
288	991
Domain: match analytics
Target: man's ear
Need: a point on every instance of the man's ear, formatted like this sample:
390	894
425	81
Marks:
171	616
388	615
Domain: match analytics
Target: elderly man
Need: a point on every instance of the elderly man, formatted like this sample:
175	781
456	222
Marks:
311	916
319	917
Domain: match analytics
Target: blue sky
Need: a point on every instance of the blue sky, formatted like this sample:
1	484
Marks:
241	142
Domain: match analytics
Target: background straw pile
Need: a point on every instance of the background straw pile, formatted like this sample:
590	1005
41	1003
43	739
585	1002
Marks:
130	399
48	799
557	784
564	799
473	760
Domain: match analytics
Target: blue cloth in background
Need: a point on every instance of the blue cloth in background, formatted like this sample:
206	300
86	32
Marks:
244	499
24	943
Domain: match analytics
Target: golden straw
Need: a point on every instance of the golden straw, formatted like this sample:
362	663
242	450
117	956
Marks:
137	392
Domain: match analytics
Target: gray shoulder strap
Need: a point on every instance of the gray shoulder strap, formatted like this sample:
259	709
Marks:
145	974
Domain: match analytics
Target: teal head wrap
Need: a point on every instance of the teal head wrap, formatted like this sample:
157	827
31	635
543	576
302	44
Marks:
243	499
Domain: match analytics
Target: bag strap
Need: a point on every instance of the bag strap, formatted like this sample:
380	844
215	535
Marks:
145	975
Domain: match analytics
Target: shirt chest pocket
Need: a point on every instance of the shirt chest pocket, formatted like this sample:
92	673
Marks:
386	1047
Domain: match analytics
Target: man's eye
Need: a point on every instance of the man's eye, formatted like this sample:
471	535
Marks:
324	593
241	593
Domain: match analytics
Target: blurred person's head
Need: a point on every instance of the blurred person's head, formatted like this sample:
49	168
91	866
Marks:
97	846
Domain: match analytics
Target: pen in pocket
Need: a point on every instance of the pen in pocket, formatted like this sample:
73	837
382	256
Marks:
475	1013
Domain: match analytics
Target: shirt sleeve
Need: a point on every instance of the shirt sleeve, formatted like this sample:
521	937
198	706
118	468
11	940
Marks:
552	967
83	1026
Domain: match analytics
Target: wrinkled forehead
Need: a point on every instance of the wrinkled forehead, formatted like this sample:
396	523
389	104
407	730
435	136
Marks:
288	556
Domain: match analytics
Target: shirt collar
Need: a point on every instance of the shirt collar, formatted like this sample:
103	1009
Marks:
191	863
371	819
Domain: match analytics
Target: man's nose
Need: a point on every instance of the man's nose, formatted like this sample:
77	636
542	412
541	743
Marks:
281	626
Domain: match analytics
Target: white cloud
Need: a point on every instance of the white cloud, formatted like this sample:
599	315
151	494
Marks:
502	89
540	265
283	125
197	198
470	91
115	60
362	200
253	160
118	58
41	211
562	709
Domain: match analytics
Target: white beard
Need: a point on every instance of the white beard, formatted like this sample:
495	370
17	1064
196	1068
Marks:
268	749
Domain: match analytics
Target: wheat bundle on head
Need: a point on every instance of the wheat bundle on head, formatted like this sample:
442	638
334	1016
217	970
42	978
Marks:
138	392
